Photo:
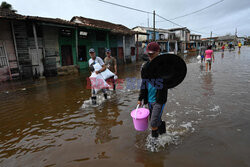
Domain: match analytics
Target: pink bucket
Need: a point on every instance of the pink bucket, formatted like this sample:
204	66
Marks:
140	118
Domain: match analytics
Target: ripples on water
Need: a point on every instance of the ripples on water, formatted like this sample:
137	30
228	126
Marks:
55	119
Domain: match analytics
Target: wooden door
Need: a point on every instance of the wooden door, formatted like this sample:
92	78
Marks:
37	61
66	52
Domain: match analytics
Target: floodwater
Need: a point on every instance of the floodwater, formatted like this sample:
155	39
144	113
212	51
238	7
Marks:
51	123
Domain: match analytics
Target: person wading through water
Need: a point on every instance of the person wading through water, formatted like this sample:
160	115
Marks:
209	57
153	94
95	59
111	64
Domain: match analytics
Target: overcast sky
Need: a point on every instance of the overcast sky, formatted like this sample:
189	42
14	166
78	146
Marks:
221	18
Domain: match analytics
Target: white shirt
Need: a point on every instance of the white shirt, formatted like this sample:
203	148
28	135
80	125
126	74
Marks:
97	60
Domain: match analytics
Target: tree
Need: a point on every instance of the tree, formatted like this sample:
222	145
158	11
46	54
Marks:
5	5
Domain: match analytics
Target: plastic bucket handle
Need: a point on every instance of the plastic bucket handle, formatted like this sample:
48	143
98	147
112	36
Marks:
136	110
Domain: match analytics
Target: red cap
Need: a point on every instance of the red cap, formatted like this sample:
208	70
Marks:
153	47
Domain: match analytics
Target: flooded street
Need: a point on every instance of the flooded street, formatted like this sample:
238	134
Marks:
49	122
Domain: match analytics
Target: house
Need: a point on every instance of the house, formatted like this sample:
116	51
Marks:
205	42
183	37
247	41
103	34
213	41
9	67
33	46
242	40
37	44
222	40
194	43
166	39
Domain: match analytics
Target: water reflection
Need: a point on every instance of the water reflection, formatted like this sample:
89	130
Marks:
208	84
44	121
105	119
201	67
239	52
150	159
222	55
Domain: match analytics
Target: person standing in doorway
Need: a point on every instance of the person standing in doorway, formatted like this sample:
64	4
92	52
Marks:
209	57
93	60
151	95
111	64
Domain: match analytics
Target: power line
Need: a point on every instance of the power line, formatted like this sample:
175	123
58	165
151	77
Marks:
169	21
143	11
139	10
197	10
179	24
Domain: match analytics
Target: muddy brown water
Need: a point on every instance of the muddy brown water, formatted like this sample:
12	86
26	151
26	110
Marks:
50	122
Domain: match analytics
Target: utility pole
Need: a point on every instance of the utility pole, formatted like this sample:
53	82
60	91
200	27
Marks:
154	24
211	36
235	38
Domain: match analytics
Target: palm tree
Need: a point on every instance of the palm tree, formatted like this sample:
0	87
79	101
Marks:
7	6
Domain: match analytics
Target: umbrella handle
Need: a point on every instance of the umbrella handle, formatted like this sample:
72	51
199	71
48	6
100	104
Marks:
136	110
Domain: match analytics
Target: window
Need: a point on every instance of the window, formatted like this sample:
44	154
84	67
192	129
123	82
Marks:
66	32
100	36
82	54
83	34
162	36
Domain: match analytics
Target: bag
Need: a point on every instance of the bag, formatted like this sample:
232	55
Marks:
199	57
105	74
97	82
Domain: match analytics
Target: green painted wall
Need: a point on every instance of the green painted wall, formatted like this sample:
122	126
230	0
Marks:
89	42
68	41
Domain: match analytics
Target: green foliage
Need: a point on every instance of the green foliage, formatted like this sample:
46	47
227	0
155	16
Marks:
6	5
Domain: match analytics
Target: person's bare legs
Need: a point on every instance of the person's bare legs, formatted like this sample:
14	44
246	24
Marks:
206	66
210	65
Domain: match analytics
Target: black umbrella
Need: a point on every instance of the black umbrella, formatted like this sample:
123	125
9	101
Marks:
169	67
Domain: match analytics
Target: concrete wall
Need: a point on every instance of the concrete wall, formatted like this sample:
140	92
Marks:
130	42
141	37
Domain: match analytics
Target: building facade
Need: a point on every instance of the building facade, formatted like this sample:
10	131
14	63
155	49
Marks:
32	46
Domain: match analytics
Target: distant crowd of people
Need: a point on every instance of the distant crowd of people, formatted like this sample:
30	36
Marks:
207	55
